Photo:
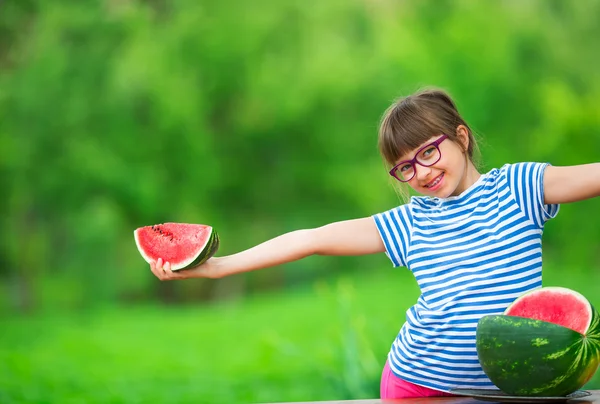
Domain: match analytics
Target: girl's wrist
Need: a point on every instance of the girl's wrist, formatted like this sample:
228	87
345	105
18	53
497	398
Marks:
213	268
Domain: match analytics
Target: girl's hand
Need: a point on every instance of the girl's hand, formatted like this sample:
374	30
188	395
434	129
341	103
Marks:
162	270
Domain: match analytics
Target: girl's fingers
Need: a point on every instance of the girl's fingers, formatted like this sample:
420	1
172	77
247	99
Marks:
162	270
158	269
153	268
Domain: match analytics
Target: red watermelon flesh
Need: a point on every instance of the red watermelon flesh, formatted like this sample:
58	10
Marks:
183	245
556	305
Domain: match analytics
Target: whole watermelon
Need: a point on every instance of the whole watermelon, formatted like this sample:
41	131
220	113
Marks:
534	353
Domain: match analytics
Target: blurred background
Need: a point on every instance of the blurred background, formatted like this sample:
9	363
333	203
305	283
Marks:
257	118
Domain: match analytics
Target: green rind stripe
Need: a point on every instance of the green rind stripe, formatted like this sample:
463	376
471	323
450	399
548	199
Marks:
594	328
211	248
593	339
207	252
529	357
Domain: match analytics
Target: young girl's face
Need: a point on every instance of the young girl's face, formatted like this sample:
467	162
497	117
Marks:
438	167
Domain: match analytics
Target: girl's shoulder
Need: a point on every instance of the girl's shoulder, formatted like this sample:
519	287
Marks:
491	181
512	170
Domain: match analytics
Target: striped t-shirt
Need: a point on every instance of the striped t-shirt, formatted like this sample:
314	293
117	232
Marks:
471	255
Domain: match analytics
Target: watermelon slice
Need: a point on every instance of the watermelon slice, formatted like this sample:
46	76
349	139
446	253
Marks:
546	344
183	245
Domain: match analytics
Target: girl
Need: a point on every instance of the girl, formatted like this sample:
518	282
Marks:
472	241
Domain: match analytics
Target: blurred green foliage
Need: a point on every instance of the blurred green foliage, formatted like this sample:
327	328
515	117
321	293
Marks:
259	118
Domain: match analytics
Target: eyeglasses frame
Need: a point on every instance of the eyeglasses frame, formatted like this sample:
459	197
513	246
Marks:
414	160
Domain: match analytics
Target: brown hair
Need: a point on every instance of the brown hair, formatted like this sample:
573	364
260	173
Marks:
412	120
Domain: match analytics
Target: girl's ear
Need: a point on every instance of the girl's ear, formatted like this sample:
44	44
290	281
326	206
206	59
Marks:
462	134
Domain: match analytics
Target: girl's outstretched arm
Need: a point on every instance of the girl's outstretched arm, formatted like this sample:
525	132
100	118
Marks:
351	237
571	184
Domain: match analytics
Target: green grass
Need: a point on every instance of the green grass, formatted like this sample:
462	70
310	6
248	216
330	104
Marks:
325	342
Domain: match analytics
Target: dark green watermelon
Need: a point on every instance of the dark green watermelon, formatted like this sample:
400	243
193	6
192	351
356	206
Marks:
532	357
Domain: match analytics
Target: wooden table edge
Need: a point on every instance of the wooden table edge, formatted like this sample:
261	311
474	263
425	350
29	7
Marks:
594	398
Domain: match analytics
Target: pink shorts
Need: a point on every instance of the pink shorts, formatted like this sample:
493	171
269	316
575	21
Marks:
394	387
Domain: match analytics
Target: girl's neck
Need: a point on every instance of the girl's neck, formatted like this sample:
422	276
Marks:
470	177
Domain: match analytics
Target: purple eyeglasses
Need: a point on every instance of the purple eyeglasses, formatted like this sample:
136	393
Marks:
426	156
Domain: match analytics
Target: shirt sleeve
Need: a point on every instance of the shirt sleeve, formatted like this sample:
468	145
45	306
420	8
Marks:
526	182
395	227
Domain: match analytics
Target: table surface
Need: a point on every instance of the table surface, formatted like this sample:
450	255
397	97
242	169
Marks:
593	398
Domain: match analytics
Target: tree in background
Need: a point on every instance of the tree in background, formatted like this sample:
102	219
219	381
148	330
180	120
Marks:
258	118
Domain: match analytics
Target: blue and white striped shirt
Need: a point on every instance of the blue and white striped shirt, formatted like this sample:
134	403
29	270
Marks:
471	255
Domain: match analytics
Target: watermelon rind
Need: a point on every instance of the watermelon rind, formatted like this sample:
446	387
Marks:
528	357
211	247
203	252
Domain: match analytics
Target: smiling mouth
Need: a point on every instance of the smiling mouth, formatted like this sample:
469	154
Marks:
435	181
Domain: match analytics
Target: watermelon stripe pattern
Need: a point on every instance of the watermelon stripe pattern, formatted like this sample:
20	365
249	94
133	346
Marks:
209	250
471	255
547	343
593	333
530	357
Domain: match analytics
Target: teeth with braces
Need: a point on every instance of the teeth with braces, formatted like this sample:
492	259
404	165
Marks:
435	182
